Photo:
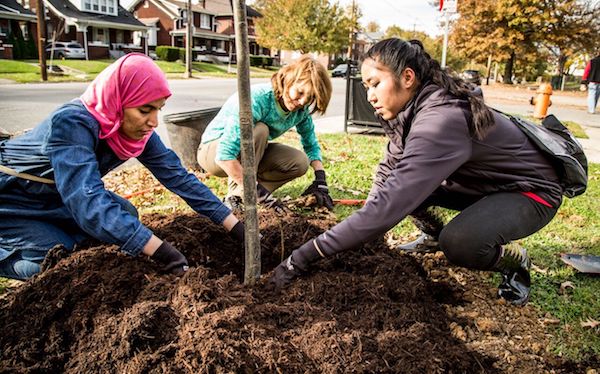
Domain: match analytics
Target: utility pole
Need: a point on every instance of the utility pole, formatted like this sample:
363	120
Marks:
41	35
351	35
489	70
445	45
252	263
449	7
188	41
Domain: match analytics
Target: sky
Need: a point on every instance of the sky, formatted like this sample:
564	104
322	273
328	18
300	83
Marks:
407	14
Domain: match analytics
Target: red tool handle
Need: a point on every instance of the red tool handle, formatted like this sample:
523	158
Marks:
349	201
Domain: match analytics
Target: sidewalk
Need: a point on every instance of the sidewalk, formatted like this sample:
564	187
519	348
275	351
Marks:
566	107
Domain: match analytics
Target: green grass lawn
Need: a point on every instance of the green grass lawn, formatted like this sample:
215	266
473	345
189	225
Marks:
17	67
91	68
80	70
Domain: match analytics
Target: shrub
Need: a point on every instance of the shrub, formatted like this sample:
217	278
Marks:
167	53
261	61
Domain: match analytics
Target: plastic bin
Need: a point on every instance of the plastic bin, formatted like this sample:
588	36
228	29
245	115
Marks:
185	131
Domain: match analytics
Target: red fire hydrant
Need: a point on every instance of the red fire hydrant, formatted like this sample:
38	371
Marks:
542	100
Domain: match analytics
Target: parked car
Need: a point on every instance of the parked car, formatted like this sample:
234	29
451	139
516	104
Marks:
65	50
341	69
471	76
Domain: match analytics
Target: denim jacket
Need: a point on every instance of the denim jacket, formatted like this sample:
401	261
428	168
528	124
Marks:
66	148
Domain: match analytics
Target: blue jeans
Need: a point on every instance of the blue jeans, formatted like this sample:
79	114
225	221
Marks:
593	96
29	240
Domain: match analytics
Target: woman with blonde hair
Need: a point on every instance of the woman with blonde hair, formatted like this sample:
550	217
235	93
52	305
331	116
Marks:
296	92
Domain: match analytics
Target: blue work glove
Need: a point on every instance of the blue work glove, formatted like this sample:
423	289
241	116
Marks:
173	261
295	265
320	190
266	199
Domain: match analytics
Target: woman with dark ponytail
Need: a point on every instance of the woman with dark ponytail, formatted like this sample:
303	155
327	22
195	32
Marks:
446	149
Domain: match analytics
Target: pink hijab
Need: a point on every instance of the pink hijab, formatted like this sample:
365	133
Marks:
131	81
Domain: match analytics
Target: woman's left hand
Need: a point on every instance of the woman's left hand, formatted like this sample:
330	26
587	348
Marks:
295	265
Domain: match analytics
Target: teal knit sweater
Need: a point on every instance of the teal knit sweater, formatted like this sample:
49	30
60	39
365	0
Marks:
265	108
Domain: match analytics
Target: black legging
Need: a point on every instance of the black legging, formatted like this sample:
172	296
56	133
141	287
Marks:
473	238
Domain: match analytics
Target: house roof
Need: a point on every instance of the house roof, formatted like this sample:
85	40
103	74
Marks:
12	10
203	34
370	37
123	20
212	7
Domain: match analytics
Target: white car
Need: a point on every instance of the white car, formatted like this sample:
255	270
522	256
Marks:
342	69
63	50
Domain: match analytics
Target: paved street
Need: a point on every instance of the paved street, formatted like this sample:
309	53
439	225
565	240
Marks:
23	106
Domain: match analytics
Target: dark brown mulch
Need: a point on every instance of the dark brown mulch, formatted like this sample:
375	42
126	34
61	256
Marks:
371	310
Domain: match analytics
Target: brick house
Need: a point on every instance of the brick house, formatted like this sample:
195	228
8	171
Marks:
103	27
15	21
213	27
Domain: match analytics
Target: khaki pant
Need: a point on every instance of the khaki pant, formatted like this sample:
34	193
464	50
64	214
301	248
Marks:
277	163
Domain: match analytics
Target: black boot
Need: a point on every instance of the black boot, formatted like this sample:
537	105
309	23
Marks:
431	224
514	265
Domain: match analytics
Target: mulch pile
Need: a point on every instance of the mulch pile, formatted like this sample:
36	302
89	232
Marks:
371	310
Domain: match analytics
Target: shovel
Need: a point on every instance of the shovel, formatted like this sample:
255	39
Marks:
583	263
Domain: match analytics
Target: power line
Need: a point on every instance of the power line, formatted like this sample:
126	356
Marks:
404	12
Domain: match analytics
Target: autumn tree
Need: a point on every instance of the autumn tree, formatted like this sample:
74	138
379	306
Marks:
433	46
503	29
523	30
372	27
302	25
572	27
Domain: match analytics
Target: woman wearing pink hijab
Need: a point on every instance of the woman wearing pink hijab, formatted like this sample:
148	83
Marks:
51	192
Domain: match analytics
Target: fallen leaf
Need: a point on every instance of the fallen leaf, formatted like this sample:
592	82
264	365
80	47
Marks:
590	323
550	321
564	286
538	269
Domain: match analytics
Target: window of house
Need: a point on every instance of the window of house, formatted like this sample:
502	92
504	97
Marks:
100	36
120	36
24	30
112	7
87	4
204	21
103	6
4	27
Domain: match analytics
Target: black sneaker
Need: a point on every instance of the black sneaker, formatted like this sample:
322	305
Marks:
514	265
234	202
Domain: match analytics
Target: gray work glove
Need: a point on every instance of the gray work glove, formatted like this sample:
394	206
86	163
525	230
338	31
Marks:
173	261
319	189
295	265
266	199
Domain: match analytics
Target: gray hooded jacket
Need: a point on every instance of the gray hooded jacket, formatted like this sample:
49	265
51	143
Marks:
437	148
